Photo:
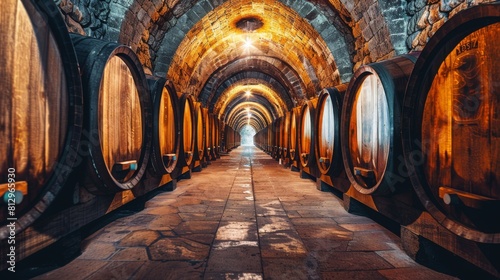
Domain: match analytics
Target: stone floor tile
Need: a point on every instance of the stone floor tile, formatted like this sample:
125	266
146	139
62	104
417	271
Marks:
78	269
335	261
397	258
178	249
97	250
173	270
139	238
191	227
327	232
117	270
229	260
413	273
131	254
290	268
353	275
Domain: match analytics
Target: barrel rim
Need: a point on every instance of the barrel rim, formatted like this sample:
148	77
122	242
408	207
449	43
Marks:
187	160
199	151
355	83
438	47
157	84
336	95
294	116
287	124
310	106
69	156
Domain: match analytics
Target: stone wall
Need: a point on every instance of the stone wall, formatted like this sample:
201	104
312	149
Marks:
427	16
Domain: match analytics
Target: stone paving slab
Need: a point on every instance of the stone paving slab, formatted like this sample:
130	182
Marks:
243	217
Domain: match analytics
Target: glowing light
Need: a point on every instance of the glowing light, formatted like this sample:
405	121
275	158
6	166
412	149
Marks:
248	93
248	43
249	115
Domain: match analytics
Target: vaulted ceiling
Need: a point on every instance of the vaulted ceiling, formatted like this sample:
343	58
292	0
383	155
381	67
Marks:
259	56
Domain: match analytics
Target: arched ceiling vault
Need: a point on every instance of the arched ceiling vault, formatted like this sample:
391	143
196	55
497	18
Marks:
283	51
242	109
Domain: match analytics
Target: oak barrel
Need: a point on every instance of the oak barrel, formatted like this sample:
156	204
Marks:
200	133
215	138
306	133
118	114
371	126
285	142
328	144
166	139
451	125
293	148
41	101
208	139
277	138
188	130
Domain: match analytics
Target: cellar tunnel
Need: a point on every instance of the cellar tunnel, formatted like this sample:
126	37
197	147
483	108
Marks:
250	139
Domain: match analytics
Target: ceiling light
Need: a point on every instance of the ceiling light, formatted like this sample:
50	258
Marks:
248	43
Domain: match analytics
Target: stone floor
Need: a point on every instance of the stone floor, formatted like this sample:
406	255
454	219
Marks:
243	217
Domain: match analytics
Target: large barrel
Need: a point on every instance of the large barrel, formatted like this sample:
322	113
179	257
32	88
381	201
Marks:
328	144
41	101
207	132
277	138
451	125
214	136
371	126
293	147
285	141
188	132
200	133
166	139
307	124
118	114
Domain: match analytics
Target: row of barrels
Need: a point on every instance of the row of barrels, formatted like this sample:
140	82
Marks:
231	138
76	106
426	123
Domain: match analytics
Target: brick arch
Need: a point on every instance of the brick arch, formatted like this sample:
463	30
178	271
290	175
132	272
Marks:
284	80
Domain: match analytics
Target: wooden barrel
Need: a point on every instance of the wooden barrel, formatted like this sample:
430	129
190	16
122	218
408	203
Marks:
41	101
277	138
307	133
285	142
451	124
118	114
371	126
293	148
200	133
207	133
214	136
188	132
229	138
166	139
328	147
